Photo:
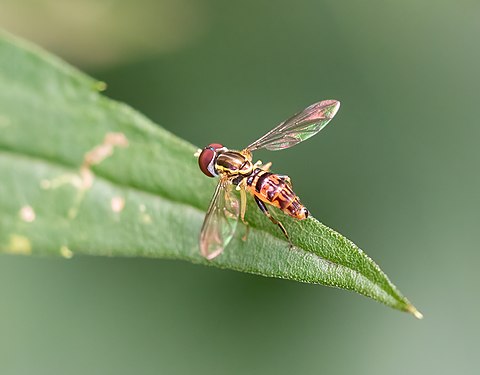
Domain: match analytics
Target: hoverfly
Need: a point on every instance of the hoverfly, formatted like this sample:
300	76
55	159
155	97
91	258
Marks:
235	168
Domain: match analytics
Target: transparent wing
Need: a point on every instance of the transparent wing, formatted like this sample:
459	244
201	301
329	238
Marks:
299	127
220	222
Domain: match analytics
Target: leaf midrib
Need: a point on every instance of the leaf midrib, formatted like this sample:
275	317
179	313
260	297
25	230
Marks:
61	164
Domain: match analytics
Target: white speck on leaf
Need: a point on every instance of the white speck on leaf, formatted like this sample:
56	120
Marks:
27	214
117	204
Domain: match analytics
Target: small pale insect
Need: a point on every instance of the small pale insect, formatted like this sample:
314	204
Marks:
236	169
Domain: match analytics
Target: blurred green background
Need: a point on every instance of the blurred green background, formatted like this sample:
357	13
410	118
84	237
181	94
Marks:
396	171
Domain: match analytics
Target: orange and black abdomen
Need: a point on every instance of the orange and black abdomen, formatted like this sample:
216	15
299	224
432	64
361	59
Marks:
275	190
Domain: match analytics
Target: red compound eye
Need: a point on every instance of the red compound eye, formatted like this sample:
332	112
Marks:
205	160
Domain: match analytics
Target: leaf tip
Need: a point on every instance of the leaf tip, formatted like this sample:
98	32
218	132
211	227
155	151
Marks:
412	310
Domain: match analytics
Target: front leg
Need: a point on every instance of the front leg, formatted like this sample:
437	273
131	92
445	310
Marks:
243	201
243	206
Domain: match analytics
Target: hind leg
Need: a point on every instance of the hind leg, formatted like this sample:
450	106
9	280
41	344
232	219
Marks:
264	209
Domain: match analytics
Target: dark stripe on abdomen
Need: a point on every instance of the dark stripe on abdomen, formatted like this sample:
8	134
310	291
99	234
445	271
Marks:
252	177
285	196
261	178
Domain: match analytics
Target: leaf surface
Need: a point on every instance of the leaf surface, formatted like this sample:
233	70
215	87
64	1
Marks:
83	174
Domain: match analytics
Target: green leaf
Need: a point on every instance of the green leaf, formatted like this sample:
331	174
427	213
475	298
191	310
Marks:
82	174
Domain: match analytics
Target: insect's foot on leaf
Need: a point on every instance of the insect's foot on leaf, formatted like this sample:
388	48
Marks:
247	231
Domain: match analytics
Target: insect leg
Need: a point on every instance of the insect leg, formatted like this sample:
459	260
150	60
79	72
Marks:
264	167
243	205
243	208
264	209
267	166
